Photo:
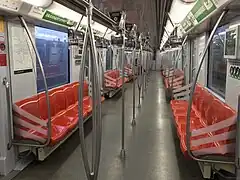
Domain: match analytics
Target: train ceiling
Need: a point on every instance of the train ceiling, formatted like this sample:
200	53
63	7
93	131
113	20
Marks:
148	15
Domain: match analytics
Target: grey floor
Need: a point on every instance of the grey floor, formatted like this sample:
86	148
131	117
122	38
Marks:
152	146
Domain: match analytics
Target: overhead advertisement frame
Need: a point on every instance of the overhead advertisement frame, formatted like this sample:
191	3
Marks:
200	12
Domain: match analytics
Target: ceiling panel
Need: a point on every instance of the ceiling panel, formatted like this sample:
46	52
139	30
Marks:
140	12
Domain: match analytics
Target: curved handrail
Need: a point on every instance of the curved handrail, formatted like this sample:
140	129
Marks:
96	98
49	123
96	102
188	132
80	107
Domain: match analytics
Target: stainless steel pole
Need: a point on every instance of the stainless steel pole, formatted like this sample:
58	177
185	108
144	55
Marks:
134	86
96	98
142	74
122	24
92	173
237	159
138	80
139	76
80	108
9	112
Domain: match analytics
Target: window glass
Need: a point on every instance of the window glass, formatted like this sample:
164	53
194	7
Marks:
217	64
53	50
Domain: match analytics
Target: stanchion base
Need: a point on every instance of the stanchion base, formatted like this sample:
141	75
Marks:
133	122
92	176
123	154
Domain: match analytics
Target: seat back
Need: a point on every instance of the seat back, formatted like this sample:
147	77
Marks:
220	111
70	95
43	105
30	105
58	100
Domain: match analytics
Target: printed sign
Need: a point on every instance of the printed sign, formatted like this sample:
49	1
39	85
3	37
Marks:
37	12
129	26
41	13
116	16
13	5
57	19
202	9
21	49
3	56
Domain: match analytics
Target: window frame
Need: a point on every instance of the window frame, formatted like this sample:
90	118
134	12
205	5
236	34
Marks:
60	29
212	89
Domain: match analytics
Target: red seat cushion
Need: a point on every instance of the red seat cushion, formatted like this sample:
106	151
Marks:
31	114
207	112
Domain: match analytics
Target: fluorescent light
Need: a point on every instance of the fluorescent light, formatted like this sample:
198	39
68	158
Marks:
39	3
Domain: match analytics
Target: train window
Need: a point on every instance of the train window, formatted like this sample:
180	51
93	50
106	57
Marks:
52	46
217	66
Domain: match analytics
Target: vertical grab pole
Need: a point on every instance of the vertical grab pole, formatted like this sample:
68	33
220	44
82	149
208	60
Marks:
80	108
140	74
134	85
178	57
147	69
122	26
9	112
237	159
92	173
188	132
96	97
49	123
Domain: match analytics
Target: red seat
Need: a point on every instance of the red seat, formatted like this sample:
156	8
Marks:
113	79
175	80
30	118
31	114
212	125
197	150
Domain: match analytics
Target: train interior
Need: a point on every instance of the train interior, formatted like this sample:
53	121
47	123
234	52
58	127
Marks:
119	89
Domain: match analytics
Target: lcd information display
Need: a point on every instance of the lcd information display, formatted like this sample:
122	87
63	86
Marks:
231	42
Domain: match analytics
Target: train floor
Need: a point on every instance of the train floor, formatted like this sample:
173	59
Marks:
152	146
